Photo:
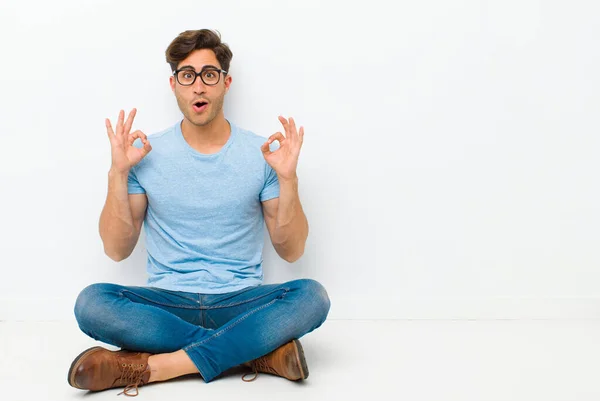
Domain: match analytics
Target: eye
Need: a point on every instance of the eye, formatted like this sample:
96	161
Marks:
188	75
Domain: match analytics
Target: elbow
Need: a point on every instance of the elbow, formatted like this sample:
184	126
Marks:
291	249
116	249
291	257
117	257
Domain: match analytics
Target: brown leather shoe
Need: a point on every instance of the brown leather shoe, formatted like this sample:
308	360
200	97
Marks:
286	361
99	369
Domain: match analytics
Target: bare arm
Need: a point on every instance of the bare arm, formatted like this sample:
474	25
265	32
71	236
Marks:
122	217
286	222
284	216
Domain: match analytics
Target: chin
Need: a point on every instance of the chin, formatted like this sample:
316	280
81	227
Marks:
196	119
201	121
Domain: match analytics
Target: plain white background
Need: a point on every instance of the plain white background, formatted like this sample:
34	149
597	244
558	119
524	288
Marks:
449	168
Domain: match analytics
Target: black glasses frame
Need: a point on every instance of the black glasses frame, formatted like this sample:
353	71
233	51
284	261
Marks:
199	74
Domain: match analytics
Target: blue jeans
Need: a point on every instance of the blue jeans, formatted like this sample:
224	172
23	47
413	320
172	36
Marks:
217	331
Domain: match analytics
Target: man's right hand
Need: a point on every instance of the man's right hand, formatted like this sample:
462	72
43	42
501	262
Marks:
124	154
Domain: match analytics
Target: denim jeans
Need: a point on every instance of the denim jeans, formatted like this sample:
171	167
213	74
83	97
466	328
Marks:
217	331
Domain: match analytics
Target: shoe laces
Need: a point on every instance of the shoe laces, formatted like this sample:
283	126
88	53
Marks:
132	375
259	365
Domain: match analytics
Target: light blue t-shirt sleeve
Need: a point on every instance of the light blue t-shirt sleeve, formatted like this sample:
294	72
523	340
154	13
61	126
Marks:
133	185
271	188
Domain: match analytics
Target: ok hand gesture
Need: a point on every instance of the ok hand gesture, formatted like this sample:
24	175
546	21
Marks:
124	154
285	159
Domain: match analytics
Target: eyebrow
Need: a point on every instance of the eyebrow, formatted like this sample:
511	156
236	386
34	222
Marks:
191	67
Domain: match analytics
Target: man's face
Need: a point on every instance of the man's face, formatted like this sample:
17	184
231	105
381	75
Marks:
208	97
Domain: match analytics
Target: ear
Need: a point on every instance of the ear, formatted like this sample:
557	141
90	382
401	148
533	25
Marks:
172	83
228	80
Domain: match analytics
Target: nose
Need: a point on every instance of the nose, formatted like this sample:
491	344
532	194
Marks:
199	86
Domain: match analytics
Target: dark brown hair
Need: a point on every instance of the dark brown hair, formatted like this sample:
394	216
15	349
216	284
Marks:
189	41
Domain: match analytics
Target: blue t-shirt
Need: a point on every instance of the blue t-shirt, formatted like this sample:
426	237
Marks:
204	223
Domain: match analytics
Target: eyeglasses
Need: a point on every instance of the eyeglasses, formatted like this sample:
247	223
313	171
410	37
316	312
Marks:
210	76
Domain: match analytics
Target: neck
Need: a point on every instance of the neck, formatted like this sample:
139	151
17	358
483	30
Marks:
207	138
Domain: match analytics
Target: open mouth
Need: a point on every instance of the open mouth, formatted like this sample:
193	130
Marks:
199	106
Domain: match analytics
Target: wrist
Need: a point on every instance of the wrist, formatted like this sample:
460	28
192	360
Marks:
113	172
292	179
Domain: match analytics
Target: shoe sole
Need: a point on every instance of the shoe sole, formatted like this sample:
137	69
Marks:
301	359
73	370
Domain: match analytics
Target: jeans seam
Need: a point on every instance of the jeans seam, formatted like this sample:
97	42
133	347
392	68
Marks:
211	320
172	305
247	300
201	311
218	333
177	293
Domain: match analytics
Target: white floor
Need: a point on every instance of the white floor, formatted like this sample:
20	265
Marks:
383	360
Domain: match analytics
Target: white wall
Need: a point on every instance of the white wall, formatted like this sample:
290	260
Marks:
450	164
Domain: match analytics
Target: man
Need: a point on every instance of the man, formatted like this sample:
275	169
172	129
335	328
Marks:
203	190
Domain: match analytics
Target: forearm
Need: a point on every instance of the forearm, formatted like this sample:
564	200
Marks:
291	228
116	226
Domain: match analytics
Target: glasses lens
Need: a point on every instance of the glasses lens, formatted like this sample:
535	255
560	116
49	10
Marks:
210	76
186	77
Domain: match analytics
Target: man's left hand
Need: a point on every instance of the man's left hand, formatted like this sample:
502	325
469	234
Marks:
285	159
